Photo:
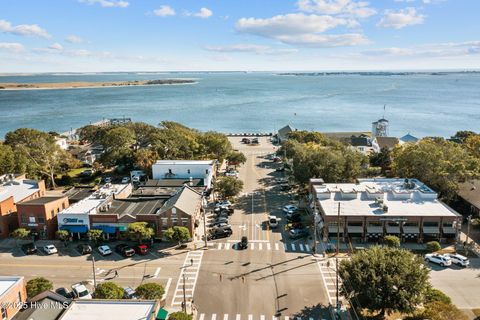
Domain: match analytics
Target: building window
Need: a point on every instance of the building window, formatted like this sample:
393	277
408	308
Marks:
31	219
188	171
430	223
169	171
410	224
19	298
41	220
4	314
63	206
355	223
206	171
24	218
375	224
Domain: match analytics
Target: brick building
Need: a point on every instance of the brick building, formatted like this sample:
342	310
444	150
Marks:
12	294
40	215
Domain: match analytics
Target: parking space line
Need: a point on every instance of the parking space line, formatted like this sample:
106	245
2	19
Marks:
214	316
285	246
276	246
293	246
250	317
237	317
225	316
202	316
227	246
252	246
269	246
262	317
220	246
260	246
155	275
307	247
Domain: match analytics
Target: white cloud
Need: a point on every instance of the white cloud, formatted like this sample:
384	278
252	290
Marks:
251	48
107	3
164	11
74	39
23	29
204	13
56	46
360	9
401	18
301	29
12	46
448	49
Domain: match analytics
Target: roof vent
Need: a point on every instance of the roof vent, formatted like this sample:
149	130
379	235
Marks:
385	208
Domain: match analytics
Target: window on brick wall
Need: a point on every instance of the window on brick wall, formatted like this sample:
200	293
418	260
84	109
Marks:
24	218
4	313
41	220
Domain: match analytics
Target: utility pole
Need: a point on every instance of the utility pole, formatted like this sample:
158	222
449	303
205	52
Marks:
184	296
314	224
336	258
94	275
469	218
205	221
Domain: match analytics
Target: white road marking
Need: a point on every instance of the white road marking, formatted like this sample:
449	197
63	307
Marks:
191	280
214	316
250	317
259	246
262	317
285	247
301	247
293	246
269	246
237	317
202	316
155	275
225	316
219	246
307	247
252	246
276	246
227	246
169	281
286	318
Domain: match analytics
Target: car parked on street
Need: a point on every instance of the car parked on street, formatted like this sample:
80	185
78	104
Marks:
29	248
64	293
298	233
107	180
220	220
290	208
232	173
223	203
440	259
129	293
458	259
243	243
104	250
50	249
221	232
80	291
125	250
272	221
84	249
125	180
141	249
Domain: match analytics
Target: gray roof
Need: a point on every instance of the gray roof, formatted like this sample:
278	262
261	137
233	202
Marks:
186	200
387	142
41	200
283	132
470	192
408	138
361	142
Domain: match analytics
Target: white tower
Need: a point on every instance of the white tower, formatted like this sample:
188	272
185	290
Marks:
380	128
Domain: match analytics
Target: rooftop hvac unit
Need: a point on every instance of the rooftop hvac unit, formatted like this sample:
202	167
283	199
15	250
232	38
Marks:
379	201
385	208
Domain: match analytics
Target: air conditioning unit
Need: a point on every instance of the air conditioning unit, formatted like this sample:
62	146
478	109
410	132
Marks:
385	208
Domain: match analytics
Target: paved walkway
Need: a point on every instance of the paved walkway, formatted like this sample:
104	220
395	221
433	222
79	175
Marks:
189	274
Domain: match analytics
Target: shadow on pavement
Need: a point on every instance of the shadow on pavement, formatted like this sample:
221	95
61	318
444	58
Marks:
314	312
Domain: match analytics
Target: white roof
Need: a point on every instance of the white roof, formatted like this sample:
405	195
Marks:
401	200
19	189
185	162
109	309
95	200
7	282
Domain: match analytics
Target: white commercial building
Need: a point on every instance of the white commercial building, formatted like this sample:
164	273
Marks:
111	309
76	217
185	169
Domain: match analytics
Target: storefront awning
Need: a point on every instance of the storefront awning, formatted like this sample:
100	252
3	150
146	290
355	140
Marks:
106	229
393	229
162	314
355	229
411	230
374	229
449	230
431	230
75	229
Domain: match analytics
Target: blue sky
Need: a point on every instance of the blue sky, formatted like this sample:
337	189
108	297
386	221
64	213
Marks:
171	35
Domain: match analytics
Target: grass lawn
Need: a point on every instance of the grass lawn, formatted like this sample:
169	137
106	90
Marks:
75	172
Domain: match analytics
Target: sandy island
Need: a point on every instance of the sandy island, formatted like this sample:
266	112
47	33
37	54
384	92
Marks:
79	85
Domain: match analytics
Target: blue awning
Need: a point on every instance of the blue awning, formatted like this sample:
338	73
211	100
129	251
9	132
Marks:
106	229
75	229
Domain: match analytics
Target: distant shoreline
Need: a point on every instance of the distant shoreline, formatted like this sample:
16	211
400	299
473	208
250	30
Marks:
91	85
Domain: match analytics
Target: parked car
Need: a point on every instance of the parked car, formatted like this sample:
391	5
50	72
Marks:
280	169
135	179
246	140
285	187
272	221
243	243
142	249
129	293
281	180
86	173
255	141
439	259
277	159
294	217
231	174
125	250
221	232
125	180
29	248
298	233
80	291
84	249
290	208
221	214
64	293
458	259
104	250
223	203
50	249
107	180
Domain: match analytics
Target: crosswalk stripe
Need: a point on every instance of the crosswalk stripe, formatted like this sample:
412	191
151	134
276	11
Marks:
274	318
285	247
202	316
293	246
225	316
276	246
268	246
260	246
237	317
227	246
286	318
250	317
214	316
301	247
252	246
262	317
307	247
219	246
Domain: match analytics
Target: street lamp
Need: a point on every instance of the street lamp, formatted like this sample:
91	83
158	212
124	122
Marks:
204	205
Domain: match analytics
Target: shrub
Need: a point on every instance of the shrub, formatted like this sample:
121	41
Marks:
433	246
38	285
108	290
435	295
150	291
391	241
179	315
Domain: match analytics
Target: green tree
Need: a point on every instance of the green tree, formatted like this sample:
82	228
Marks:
38	285
91	133
143	133
385	279
138	231
145	158
228	186
63	235
236	158
7	159
435	295
438	310
215	145
150	291
383	159
20	234
95	235
108	290
472	145
178	234
464	135
433	246
117	143
440	164
179	315
42	156
391	241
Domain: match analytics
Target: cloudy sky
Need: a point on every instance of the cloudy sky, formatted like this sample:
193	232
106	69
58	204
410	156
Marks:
170	35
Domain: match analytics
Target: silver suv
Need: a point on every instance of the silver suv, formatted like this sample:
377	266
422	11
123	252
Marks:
440	259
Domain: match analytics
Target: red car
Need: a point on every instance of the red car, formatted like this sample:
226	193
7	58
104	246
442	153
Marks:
141	249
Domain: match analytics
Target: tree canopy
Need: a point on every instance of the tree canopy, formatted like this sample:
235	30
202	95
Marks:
95	234
108	290
7	159
150	291
20	234
38	285
178	234
440	164
139	231
179	315
385	279
228	186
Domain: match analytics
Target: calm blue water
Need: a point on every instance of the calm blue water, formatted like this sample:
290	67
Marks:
422	104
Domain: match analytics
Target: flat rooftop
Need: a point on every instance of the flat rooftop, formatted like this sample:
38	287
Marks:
42	200
185	162
133	207
95	199
110	309
78	194
18	189
369	196
7	282
171	183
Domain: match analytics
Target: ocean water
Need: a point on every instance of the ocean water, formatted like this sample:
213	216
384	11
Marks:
422	104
